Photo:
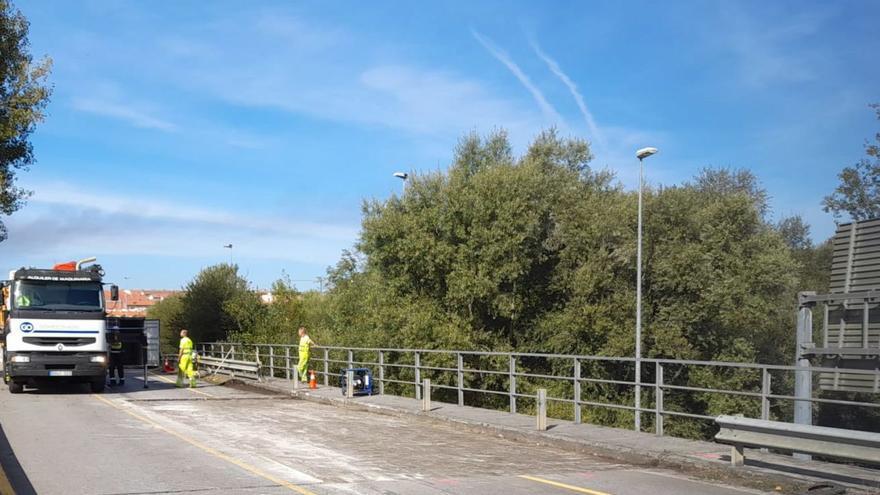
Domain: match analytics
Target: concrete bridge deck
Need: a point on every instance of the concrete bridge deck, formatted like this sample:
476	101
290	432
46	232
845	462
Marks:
222	439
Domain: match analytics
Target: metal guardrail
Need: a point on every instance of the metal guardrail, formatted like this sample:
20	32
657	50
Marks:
511	380
230	366
830	442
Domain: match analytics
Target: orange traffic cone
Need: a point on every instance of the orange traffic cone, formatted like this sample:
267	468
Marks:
313	379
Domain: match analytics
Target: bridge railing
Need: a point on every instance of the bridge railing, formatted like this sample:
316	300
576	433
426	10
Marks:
595	389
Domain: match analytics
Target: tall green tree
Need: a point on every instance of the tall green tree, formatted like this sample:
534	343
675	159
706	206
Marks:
206	299
858	194
24	94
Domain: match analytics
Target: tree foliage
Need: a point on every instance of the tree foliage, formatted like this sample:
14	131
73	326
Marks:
24	94
858	194
537	253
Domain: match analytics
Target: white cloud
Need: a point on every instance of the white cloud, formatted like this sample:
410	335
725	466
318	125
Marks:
769	53
575	93
65	218
125	112
504	58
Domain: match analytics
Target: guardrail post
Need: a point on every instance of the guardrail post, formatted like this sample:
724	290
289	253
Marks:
222	350
577	391
765	392
272	361
232	353
426	395
737	455
349	383
418	377
296	379
381	372
658	400
803	377
460	380
326	367
512	383
287	363
257	353
350	359
542	409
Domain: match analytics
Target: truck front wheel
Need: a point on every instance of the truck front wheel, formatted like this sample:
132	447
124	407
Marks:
97	386
16	387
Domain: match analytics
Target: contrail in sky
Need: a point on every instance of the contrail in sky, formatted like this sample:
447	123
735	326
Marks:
505	59
575	93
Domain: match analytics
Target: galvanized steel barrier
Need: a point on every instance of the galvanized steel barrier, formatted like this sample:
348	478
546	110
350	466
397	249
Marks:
511	381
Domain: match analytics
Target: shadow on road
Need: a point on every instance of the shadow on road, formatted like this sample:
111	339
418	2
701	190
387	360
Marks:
17	477
134	383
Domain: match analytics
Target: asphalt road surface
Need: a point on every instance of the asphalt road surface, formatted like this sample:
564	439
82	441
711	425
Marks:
217	439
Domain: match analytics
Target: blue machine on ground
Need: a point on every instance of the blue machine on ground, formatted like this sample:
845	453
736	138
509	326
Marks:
362	381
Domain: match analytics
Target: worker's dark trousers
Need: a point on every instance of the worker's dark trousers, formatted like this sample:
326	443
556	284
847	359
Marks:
116	365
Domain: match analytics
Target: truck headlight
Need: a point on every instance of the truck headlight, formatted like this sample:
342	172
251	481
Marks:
18	358
98	359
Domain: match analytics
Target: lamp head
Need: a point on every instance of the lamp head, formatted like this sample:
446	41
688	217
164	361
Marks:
401	175
645	153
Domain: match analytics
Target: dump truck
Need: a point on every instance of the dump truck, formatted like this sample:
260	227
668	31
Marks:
54	326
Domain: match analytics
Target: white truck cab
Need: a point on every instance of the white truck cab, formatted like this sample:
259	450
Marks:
54	326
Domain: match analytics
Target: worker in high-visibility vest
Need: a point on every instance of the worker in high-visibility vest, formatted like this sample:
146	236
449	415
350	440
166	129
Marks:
305	345
185	361
116	360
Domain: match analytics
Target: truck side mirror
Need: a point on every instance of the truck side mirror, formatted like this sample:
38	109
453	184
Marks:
114	292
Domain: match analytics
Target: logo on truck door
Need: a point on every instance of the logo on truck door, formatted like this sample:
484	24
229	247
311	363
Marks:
26	327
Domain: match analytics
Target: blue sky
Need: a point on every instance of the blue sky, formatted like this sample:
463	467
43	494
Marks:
178	127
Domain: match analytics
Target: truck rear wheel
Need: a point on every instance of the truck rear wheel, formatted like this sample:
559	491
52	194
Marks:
16	387
97	386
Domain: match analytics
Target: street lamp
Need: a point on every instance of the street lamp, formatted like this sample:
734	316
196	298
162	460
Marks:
402	176
641	155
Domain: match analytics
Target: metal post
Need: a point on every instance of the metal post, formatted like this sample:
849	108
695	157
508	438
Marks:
512	383
577	391
257	353
418	377
296	380
287	363
542	409
326	367
803	378
146	383
426	395
765	392
658	400
349	383
222	350
460	380
737	455
232	353
638	381
381	372
272	361
350	359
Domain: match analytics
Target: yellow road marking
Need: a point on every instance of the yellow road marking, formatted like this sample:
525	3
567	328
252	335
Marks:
213	452
5	485
168	380
563	485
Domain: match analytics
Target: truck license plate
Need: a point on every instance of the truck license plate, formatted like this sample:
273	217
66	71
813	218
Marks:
60	373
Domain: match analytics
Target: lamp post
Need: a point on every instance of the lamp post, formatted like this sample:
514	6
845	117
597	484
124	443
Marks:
402	176
641	155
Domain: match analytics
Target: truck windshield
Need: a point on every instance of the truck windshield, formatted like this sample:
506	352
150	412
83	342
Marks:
47	296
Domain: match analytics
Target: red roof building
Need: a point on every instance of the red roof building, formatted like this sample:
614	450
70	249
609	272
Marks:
135	302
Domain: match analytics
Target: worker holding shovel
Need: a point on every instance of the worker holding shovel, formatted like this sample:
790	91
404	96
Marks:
305	345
